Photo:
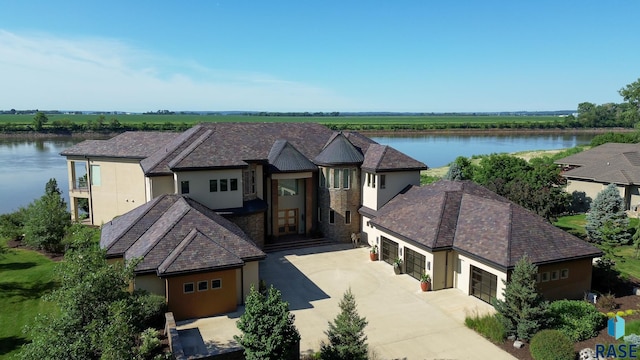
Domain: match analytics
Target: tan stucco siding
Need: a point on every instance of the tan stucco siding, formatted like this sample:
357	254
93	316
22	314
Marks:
151	283
463	274
574	286
250	276
121	188
202	303
200	191
160	185
394	182
591	189
369	192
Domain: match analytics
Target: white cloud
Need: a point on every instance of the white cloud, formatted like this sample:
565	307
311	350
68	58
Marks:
48	72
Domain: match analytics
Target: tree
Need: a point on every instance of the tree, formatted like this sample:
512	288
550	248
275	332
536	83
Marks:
636	239
454	173
267	327
607	219
497	170
631	94
523	311
39	120
346	334
47	219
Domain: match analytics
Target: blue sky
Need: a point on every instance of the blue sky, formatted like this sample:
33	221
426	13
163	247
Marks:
431	56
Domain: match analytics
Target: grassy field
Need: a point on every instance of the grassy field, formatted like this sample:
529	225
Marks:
25	276
338	120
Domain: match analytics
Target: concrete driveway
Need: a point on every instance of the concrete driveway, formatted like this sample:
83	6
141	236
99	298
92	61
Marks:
403	321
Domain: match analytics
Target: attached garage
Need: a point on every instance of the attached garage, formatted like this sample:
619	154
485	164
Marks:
484	285
389	250
414	263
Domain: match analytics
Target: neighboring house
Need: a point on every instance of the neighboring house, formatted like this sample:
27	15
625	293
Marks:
271	179
201	262
592	170
467	237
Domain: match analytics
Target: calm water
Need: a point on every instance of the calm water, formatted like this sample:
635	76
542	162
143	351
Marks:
28	164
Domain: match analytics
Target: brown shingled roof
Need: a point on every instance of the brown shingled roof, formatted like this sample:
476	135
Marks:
134	145
156	229
381	158
469	218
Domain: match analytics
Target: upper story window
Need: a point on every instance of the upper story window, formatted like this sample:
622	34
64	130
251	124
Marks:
249	181
216	185
323	179
288	187
233	184
213	185
96	178
336	178
224	185
184	187
346	178
383	181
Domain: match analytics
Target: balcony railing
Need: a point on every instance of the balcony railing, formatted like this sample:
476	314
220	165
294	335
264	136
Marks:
80	184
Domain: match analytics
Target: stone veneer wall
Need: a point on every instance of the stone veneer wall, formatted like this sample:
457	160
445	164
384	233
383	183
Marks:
252	225
340	200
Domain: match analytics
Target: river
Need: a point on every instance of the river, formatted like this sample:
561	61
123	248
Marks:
27	164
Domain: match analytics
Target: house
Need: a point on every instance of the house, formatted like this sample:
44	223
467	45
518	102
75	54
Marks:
203	263
198	207
467	237
592	170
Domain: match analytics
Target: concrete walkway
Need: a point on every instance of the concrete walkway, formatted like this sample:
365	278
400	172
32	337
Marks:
404	322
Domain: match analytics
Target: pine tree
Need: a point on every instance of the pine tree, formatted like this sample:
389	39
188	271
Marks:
454	173
47	219
523	311
607	221
346	334
268	332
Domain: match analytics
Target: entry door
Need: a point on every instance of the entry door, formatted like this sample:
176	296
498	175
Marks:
288	221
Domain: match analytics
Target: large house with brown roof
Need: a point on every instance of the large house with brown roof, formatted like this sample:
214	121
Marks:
198	207
466	236
593	170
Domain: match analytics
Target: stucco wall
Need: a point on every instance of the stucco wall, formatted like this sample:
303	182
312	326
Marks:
151	283
463	274
251	276
574	286
199	187
376	197
202	303
121	189
160	185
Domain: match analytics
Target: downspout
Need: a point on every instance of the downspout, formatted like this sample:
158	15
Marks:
90	185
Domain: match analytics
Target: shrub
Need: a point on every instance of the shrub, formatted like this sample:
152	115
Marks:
487	325
632	339
632	327
551	345
629	312
620	313
149	343
576	319
607	302
611	314
150	310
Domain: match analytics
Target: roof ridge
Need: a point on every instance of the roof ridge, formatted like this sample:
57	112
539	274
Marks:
190	148
170	149
133	223
385	148
173	255
442	208
509	235
169	228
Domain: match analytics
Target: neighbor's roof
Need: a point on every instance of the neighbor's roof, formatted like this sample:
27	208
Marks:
473	220
233	145
608	163
133	144
171	229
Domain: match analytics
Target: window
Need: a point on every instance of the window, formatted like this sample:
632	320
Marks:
319	215
322	178
383	181
373	181
564	273
346	178
347	217
368	179
332	216
336	178
184	187
216	284
249	181
288	187
203	285
234	184
554	275
213	185
96	179
544	277
224	185
187	288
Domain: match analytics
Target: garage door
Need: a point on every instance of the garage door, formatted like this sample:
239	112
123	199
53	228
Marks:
389	250
414	263
483	284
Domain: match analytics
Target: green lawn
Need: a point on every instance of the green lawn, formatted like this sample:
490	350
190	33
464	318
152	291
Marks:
573	224
25	276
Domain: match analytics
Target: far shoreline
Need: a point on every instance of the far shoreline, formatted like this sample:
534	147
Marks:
572	131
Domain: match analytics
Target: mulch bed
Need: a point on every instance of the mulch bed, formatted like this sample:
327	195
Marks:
17	244
624	303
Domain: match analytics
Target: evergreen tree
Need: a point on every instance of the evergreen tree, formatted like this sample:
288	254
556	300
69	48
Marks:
39	120
607	221
268	332
346	334
523	311
454	173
